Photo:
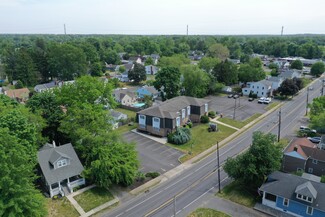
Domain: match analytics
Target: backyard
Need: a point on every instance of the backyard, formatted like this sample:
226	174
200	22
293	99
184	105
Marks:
202	139
93	198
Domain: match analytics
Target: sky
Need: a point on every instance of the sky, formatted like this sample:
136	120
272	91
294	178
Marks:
163	17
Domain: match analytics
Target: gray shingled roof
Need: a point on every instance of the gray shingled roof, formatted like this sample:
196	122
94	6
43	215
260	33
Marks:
306	189
169	108
48	154
285	185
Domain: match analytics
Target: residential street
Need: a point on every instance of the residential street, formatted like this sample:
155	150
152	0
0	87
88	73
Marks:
190	186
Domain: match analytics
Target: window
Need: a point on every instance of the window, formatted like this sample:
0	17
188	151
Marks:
310	170
270	197
156	124
62	163
142	121
315	161
258	87
206	107
286	202
245	90
178	121
253	86
262	93
299	196
262	88
304	197
183	113
309	210
188	110
309	199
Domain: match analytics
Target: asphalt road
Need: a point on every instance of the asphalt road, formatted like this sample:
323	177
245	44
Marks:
189	186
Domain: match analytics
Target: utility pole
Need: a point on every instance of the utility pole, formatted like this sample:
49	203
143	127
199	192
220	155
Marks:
234	110
307	100
187	30
282	31
65	30
279	127
322	89
218	156
175	206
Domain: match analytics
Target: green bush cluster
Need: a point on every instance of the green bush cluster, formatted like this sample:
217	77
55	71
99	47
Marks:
180	136
152	174
212	114
205	119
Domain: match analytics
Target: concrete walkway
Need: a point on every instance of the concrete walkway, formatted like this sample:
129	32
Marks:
162	140
214	202
227	125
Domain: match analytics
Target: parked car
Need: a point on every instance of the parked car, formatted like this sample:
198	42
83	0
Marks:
306	129
261	100
235	96
230	96
250	99
314	139
267	100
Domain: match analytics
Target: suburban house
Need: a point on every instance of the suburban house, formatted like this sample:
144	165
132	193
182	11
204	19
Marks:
303	155
261	88
151	69
290	74
117	118
61	168
276	81
21	95
165	118
125	96
44	87
136	59
295	195
147	90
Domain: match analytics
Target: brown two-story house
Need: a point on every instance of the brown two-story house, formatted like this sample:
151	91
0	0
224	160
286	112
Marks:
165	118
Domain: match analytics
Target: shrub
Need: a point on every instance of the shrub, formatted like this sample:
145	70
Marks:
322	179
212	114
190	124
205	119
140	177
152	174
180	136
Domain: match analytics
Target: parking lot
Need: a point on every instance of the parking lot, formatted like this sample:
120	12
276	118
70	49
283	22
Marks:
153	156
244	108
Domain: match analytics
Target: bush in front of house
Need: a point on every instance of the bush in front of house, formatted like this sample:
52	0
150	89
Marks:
205	119
212	114
180	136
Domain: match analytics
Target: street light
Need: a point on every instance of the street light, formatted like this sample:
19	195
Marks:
307	100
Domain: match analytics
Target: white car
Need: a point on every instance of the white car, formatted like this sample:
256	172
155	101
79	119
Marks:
267	100
261	100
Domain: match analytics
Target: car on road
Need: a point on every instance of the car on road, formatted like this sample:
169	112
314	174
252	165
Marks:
314	139
250	99
230	96
305	129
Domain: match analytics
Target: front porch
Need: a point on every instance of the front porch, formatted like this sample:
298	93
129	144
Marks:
66	186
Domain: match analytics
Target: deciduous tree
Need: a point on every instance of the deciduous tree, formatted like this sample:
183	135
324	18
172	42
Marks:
317	69
196	81
296	64
218	51
138	73
168	82
226	72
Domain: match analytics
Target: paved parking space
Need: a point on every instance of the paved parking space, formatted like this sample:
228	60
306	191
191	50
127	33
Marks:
153	155
244	108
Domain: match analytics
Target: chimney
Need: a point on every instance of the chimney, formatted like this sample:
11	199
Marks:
53	144
295	148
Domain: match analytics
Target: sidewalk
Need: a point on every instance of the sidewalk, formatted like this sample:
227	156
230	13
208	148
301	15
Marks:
227	125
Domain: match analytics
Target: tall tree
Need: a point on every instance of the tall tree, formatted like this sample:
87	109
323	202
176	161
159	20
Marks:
168	82
208	63
218	51
288	88
196	81
174	61
262	158
317	69
226	72
138	73
296	64
66	61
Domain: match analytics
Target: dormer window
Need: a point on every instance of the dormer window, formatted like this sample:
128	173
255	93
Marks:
62	163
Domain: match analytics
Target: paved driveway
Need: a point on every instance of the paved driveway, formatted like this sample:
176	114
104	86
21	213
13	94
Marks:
153	156
244	108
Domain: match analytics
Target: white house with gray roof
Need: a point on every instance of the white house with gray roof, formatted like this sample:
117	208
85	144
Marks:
260	88
61	168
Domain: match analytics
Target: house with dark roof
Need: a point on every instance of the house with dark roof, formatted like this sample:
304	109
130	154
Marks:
61	168
151	69
135	59
295	195
45	87
303	155
260	88
290	74
165	118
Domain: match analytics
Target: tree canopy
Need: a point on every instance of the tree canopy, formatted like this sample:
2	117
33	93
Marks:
262	158
317	68
296	64
168	82
226	72
288	88
138	73
218	51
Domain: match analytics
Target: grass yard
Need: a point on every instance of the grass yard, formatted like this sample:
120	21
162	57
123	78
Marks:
60	207
202	140
206	212
271	106
129	113
239	124
238	194
93	198
125	128
306	81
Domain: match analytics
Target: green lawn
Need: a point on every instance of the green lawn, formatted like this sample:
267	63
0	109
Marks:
239	124
125	128
129	113
238	194
271	106
206	212
202	139
93	198
60	207
306	81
